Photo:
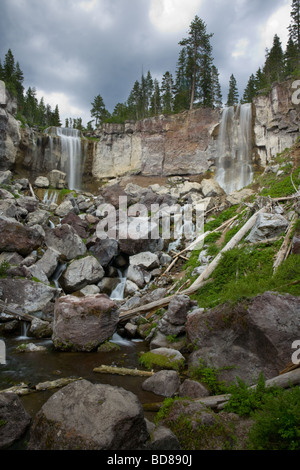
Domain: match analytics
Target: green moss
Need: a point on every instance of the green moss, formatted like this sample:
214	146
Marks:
4	266
151	360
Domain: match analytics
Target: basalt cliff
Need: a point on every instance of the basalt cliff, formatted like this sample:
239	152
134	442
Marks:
166	145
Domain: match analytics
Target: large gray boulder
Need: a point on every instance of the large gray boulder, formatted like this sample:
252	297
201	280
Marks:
86	416
249	338
267	226
66	241
83	323
14	419
33	297
80	273
164	383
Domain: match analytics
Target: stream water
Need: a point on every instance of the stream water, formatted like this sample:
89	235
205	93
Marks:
32	368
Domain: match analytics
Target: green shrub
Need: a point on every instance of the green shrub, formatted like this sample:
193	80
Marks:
4	266
245	400
209	377
277	425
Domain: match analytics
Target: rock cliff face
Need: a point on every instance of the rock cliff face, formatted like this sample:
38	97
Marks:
276	120
182	144
9	130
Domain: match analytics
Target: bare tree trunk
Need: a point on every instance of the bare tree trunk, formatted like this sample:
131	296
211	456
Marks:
281	255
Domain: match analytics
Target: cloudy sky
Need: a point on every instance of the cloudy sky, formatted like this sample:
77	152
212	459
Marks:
73	50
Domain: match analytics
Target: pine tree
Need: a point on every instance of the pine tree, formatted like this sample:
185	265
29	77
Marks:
156	99
182	83
291	58
217	94
274	64
199	62
250	90
98	111
135	102
294	27
55	117
167	86
233	95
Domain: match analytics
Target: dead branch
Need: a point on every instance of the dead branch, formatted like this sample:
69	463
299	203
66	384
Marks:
282	253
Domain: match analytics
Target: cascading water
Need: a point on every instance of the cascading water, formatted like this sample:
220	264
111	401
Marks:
71	158
118	292
234	161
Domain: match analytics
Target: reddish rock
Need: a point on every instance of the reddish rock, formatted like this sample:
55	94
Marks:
16	237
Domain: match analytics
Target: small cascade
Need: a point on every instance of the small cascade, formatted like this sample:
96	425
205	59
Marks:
24	330
234	161
50	197
57	273
71	155
118	292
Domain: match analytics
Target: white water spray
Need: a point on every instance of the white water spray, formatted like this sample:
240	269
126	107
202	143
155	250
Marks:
234	162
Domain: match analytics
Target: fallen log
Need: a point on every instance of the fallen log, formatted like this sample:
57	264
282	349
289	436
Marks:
6	308
200	281
103	369
24	389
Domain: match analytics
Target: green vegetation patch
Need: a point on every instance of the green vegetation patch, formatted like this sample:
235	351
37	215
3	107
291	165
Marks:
151	360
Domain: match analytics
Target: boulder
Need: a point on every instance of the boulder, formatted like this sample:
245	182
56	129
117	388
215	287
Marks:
250	338
57	179
136	275
38	217
192	389
49	261
29	203
210	188
80	273
68	205
178	309
83	323
5	177
102	417
14	419
164	383
40	329
42	182
33	297
267	226
162	438
79	225
66	241
146	260
105	250
17	237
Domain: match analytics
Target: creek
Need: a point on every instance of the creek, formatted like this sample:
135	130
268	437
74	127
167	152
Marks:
32	368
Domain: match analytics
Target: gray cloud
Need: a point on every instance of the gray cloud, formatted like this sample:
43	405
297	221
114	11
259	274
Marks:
65	48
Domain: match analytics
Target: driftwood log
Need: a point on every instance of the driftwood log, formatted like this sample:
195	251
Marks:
281	255
103	369
7	308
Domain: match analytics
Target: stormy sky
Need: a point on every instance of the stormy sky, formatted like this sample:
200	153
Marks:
73	50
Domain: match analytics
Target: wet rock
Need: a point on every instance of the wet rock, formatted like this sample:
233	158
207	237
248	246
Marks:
80	273
57	179
110	418
14	419
130	288
164	383
30	347
82	324
40	329
17	238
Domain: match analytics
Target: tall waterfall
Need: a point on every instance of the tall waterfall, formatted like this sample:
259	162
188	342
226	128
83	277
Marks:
69	141
234	161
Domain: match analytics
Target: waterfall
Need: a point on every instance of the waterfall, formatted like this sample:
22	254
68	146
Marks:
118	292
234	156
70	153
